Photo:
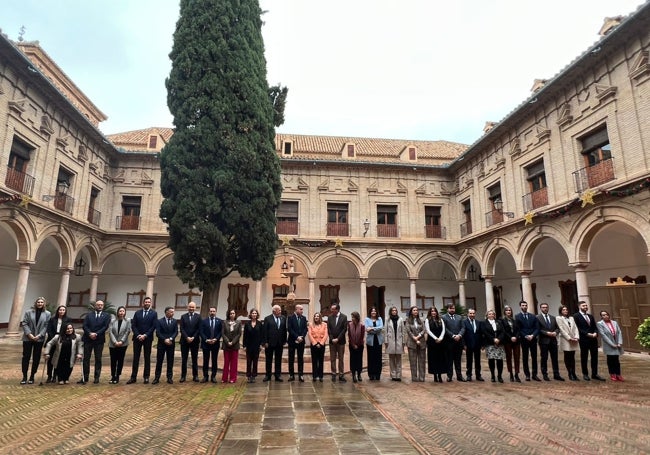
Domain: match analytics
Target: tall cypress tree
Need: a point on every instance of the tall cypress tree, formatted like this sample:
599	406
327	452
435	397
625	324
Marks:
220	173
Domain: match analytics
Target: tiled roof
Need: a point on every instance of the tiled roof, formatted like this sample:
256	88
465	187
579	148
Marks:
140	138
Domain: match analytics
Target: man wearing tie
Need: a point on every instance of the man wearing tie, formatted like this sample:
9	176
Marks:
337	327
143	325
454	331
548	332
211	331
528	333
297	332
274	335
95	326
473	339
166	331
588	341
190	340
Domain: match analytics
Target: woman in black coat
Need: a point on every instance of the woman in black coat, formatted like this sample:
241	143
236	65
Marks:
493	339
56	326
252	343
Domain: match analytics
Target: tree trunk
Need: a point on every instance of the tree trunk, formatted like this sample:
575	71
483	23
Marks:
210	298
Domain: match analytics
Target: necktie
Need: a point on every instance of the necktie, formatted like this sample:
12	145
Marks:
453	317
298	319
548	321
212	327
277	321
587	318
146	313
473	326
97	315
169	322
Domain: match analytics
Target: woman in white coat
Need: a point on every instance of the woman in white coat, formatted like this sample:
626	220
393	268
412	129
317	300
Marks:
65	348
118	331
610	333
569	341
394	343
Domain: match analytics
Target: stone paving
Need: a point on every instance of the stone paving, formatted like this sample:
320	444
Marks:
369	417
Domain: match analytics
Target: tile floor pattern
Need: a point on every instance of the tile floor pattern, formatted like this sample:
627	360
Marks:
310	418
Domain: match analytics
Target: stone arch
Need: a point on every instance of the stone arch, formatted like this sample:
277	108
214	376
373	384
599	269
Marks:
439	256
91	248
348	255
492	250
468	255
22	231
118	247
399	256
532	238
62	242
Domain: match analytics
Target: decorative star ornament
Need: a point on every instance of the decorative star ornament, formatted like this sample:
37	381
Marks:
338	243
24	201
286	241
529	218
587	198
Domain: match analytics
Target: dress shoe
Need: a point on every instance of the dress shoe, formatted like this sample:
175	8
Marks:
620	378
517	378
320	379
354	379
60	382
204	380
266	379
278	379
49	380
213	380
460	379
314	379
82	382
512	378
527	378
359	378
494	379
558	378
597	378
24	381
480	379
182	379
195	379
449	379
536	378
398	379
613	377
342	379
96	381
301	378
333	378
155	381
291	378
586	377
146	380
31	381
170	381
546	378
500	379
468	378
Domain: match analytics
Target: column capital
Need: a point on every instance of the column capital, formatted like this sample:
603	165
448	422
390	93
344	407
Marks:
579	265
363	278
65	269
524	272
461	281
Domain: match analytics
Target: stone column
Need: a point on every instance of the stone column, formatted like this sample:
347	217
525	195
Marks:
312	299
258	296
489	293
527	289
363	296
150	279
63	287
413	293
461	293
581	281
94	281
15	317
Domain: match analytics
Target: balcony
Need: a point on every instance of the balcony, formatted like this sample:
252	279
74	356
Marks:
466	229
593	176
127	223
434	232
535	199
19	181
338	230
284	227
493	217
387	230
94	216
64	203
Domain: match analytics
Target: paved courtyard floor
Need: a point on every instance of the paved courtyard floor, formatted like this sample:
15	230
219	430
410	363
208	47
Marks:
308	418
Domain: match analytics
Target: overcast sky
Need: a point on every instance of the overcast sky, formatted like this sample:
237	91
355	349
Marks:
407	69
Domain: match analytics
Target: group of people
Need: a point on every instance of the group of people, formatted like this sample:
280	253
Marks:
436	340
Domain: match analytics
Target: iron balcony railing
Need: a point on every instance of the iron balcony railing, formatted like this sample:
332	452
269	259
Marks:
535	199
19	181
594	175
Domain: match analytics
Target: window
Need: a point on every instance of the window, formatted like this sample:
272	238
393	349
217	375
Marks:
538	195
596	147
466	227
337	219
17	178
94	216
186	297
350	150
287	216
134	299
130	219
280	290
432	227
329	294
287	148
62	201
412	154
421	301
238	299
495	215
387	221
83	298
153	141
597	154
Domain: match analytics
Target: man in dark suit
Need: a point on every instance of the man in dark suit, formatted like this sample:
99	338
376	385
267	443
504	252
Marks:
34	326
274	334
95	326
297	324
337	327
548	331
190	340
211	331
528	335
454	331
473	339
166	331
143	325
588	341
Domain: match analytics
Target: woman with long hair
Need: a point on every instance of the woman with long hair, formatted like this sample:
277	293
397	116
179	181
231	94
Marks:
65	348
374	340
317	331
511	343
436	350
252	343
357	339
230	345
55	326
118	341
394	342
416	344
569	341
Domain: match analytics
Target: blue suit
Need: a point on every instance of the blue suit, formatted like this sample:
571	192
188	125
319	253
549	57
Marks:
297	326
473	344
145	326
528	326
97	324
210	350
166	331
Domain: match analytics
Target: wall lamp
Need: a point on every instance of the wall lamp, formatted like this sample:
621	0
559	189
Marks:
471	273
366	227
79	267
498	205
62	187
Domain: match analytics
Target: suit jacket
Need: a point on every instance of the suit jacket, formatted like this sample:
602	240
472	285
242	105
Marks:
233	335
207	334
98	325
52	326
610	340
29	324
166	331
395	334
190	328
122	334
297	330
253	336
273	335
584	328
413	331
489	334
453	327
546	330
527	326
337	330
473	340
144	326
